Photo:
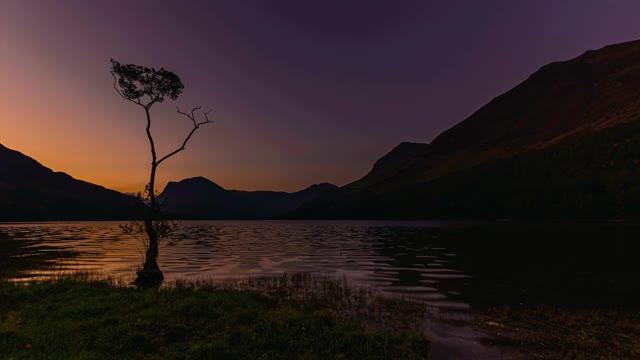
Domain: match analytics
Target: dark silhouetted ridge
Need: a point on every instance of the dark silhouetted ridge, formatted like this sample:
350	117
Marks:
530	152
32	192
200	198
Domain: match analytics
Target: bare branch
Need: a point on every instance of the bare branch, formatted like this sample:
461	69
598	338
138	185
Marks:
206	116
191	116
196	126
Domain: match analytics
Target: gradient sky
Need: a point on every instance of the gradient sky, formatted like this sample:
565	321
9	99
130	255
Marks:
302	91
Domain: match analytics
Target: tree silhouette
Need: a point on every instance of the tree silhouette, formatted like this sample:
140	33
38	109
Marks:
145	87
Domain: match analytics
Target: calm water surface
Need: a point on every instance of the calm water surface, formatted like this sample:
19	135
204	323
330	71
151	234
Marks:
380	254
449	265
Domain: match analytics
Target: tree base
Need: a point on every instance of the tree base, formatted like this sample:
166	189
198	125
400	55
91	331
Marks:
149	278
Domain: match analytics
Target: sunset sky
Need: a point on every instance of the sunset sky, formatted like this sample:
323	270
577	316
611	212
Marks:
302	92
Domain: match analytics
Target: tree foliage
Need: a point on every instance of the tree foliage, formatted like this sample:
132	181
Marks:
136	82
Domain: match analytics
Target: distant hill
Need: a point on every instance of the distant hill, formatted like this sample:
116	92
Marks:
565	143
32	192
200	198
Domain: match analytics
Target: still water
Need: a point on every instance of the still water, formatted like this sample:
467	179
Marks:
448	265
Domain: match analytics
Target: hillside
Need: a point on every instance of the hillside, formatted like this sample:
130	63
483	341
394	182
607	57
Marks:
31	192
200	198
566	134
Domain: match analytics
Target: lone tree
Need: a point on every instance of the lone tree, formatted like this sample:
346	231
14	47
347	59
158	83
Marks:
145	87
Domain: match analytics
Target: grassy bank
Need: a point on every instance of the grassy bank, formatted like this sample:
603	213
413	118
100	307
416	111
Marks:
565	332
89	319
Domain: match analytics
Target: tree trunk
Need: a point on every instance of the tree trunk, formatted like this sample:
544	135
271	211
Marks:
150	275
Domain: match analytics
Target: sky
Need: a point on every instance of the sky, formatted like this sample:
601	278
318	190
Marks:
302	92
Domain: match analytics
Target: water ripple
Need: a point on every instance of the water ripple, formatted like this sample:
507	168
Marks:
397	258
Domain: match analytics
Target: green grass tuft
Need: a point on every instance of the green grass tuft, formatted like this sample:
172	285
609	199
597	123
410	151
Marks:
88	319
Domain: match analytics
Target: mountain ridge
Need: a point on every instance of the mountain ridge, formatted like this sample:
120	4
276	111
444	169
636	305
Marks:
201	198
30	191
564	100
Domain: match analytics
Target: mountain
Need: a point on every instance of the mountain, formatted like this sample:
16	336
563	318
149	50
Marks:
32	192
200	198
564	143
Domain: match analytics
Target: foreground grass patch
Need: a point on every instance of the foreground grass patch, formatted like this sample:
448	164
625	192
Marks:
72	319
571	333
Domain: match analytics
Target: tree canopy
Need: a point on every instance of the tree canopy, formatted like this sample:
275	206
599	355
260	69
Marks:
137	81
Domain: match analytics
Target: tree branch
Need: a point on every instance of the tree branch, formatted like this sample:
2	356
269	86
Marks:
192	116
148	105
196	126
115	87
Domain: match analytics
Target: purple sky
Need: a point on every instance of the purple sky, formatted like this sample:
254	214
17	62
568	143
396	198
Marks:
302	91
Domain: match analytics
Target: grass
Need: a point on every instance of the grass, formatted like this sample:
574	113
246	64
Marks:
309	291
570	333
292	316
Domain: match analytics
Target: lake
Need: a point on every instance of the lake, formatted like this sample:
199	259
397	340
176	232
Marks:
451	265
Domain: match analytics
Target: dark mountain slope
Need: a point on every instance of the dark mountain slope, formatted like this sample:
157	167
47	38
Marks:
593	176
32	192
563	101
201	198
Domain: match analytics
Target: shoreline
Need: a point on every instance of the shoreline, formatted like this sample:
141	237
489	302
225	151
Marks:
267	319
494	332
541	331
